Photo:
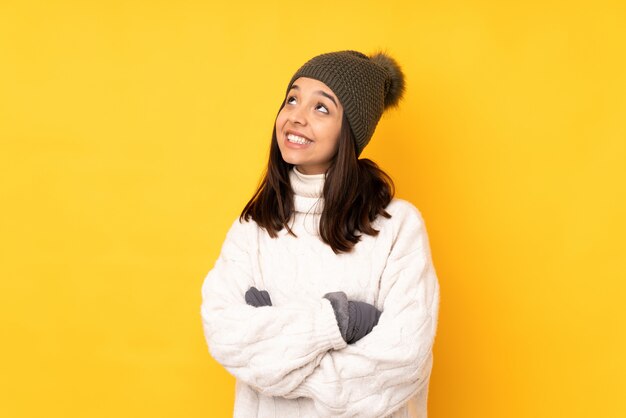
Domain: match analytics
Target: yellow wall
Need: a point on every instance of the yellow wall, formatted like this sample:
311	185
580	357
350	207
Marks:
133	132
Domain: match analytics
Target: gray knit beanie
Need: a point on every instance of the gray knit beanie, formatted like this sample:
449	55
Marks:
365	86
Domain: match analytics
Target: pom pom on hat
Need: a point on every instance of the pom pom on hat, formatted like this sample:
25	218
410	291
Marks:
397	86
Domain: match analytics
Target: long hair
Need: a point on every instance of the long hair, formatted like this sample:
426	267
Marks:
355	192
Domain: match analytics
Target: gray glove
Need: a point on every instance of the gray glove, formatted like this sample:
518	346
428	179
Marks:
258	298
355	319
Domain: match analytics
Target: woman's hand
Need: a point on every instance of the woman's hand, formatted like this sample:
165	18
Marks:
355	319
258	298
362	317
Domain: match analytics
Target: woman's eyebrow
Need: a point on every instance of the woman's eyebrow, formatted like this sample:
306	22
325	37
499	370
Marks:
323	93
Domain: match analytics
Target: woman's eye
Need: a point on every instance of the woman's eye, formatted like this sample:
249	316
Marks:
289	99
323	107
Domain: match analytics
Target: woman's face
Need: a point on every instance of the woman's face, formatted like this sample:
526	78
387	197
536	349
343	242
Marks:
308	126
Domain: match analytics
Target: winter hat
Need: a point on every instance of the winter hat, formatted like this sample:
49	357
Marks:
365	85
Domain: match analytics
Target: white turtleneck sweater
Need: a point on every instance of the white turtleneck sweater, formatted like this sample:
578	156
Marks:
289	359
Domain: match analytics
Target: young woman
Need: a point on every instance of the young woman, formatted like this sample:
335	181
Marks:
324	300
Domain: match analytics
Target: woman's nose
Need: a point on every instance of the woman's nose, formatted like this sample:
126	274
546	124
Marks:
297	115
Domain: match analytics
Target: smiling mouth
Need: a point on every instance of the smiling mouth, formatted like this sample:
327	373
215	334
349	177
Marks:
298	139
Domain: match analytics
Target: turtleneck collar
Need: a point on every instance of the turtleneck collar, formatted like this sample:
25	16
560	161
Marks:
307	190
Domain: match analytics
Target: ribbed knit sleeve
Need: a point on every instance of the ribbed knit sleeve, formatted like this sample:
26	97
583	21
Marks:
271	348
379	373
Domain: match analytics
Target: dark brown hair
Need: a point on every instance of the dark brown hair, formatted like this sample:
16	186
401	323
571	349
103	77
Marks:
355	192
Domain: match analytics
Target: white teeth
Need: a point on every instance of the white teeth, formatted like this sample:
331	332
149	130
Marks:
297	139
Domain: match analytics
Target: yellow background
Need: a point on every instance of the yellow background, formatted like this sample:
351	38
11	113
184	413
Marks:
133	132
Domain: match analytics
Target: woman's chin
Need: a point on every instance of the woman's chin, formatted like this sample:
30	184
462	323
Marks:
288	157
